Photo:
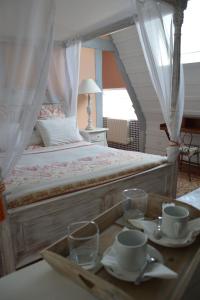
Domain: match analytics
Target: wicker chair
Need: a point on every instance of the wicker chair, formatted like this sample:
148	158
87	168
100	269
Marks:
187	152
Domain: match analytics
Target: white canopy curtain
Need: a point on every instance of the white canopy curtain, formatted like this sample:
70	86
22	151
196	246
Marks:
26	35
154	21
64	76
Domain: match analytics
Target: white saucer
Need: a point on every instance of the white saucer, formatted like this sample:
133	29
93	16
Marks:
149	227
171	243
130	276
177	243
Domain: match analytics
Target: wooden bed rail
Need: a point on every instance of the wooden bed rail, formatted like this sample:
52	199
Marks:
7	262
2	209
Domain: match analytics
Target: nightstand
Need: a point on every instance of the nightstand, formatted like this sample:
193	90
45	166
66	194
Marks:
95	135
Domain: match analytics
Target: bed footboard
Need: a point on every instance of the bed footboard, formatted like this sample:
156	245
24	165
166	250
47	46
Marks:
34	227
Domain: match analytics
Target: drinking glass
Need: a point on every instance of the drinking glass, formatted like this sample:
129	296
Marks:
83	239
134	203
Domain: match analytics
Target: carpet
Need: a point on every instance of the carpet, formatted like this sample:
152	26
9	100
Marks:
184	185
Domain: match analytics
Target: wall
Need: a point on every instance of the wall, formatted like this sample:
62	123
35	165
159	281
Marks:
57	74
111	76
192	93
87	70
130	52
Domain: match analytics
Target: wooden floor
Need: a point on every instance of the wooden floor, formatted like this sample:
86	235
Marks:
184	185
194	169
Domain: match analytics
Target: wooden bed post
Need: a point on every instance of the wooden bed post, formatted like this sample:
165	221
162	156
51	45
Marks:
178	21
2	210
7	264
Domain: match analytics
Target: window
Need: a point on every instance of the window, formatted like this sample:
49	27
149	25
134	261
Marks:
190	44
118	105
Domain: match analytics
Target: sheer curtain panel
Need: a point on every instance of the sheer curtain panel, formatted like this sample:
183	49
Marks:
64	77
26	34
154	21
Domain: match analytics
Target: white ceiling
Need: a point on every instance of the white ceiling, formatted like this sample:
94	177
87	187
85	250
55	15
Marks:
82	16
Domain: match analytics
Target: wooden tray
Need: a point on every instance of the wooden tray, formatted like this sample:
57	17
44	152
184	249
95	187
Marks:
184	261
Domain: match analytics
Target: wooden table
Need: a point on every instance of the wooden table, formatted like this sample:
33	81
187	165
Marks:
184	261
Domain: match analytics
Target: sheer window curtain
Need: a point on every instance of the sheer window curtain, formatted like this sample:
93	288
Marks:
26	35
154	21
64	77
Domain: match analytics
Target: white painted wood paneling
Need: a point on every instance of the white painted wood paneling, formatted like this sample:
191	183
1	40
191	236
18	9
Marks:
130	51
128	45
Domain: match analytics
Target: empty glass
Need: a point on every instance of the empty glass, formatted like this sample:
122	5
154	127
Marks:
83	238
134	203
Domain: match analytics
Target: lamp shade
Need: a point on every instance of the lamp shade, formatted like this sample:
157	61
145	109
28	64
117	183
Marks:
88	86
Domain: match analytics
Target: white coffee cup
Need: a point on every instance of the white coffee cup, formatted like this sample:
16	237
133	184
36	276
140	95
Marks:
131	249
175	221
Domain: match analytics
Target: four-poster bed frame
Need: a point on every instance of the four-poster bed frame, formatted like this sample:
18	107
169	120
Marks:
30	228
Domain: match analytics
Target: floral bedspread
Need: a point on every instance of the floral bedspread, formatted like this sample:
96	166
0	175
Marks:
44	173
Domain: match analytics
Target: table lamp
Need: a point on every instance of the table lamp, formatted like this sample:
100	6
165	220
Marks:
89	86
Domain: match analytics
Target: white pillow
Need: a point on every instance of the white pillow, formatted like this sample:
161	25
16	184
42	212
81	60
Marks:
36	138
59	131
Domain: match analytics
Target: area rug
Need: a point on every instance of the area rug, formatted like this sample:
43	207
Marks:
184	185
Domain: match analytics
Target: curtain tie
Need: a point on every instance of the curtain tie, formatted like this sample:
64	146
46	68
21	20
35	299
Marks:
2	210
174	143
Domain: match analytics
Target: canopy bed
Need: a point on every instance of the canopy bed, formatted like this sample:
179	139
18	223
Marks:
45	193
27	226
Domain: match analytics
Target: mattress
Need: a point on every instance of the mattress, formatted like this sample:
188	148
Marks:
47	172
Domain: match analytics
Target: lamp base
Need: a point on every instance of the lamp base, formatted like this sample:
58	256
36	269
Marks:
89	111
89	128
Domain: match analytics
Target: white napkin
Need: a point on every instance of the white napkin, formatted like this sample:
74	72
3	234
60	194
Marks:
156	270
149	227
